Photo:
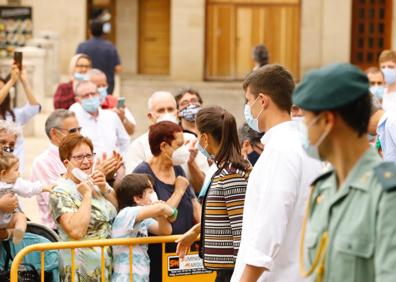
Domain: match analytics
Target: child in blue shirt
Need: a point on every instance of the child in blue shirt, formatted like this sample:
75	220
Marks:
138	208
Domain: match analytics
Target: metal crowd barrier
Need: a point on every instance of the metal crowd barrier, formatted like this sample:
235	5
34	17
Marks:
86	244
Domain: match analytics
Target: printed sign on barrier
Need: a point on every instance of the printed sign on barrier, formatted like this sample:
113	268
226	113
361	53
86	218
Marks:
190	268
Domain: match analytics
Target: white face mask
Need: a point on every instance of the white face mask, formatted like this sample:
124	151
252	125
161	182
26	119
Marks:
389	75
180	155
168	117
153	197
312	150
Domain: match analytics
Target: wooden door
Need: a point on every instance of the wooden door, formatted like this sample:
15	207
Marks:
277	27
371	31
154	36
234	28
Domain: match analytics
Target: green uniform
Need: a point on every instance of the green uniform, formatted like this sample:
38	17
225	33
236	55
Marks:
360	220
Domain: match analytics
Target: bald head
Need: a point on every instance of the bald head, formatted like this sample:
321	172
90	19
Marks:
161	103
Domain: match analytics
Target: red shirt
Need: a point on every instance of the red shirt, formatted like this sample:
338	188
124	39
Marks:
110	102
64	96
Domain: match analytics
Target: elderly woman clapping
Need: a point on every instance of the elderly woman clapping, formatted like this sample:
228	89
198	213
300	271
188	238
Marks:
82	210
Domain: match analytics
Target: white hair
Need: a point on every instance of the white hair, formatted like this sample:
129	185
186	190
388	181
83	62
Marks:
93	72
82	83
157	95
10	127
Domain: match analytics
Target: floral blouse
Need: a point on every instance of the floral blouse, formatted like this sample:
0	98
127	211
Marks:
65	198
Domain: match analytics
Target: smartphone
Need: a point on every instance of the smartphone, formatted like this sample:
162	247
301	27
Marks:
18	59
121	102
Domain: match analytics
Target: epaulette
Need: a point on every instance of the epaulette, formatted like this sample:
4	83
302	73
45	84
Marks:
386	175
322	176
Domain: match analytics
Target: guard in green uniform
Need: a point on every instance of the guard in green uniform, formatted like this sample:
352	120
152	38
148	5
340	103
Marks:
349	232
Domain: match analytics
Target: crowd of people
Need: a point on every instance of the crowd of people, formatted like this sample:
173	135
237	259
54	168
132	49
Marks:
304	188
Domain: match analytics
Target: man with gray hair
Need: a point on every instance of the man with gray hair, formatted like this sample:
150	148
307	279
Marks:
162	107
47	167
103	127
110	102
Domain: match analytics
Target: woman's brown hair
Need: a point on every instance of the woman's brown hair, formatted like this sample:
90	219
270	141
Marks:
221	125
70	142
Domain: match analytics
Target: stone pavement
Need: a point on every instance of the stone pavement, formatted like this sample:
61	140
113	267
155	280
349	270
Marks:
137	90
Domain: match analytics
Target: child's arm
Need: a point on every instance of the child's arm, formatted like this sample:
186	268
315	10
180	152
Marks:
27	189
161	226
154	210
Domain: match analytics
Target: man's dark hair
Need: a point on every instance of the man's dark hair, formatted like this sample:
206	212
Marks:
260	55
184	91
97	28
356	114
274	81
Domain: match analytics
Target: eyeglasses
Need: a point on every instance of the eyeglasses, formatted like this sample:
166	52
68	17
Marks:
71	130
80	158
185	103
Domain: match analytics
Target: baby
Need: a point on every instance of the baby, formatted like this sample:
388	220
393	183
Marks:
14	224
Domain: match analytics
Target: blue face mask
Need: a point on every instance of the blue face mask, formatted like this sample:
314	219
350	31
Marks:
250	120
91	105
102	94
81	76
389	75
190	112
312	150
378	91
203	151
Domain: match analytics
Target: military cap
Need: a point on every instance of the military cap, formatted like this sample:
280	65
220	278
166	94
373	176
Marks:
331	87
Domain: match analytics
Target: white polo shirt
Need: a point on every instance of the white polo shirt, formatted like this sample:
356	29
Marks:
105	130
275	202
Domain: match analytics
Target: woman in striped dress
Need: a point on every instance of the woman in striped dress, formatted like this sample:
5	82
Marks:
222	208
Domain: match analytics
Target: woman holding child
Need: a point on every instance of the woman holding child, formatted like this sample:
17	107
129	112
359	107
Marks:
83	210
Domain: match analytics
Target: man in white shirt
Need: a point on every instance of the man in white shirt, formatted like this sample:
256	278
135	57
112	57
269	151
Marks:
387	62
162	106
103	127
47	167
278	185
110	102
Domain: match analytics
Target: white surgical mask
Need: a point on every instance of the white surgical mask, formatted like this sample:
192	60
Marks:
312	150
180	155
153	197
250	120
389	75
168	117
378	91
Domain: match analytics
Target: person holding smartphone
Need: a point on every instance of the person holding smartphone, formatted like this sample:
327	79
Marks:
19	115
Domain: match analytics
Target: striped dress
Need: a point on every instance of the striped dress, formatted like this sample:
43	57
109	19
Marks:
222	214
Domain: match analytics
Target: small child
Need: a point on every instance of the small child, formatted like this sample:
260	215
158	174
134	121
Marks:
135	199
14	223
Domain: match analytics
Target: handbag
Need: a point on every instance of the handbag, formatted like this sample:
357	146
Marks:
26	273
